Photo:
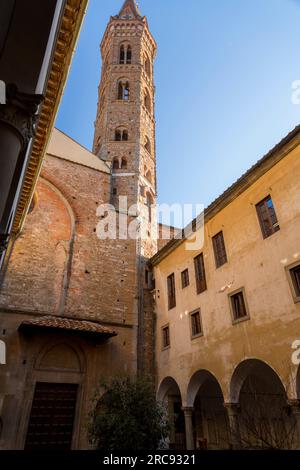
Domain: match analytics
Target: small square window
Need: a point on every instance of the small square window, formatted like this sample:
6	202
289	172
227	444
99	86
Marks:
238	306
196	326
185	281
165	337
267	217
294	272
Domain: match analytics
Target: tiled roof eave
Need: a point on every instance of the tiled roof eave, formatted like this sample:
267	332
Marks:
69	325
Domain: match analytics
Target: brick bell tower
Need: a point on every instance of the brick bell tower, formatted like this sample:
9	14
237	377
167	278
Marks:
125	138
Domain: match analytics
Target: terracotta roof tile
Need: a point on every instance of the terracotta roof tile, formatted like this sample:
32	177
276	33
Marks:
68	324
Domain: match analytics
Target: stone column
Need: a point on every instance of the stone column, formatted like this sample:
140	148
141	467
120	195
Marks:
17	119
233	410
294	405
189	430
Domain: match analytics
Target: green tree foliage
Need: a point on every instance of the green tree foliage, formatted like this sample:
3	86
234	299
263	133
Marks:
127	417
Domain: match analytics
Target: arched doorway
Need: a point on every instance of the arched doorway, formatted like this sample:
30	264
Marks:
210	421
265	420
169	393
52	417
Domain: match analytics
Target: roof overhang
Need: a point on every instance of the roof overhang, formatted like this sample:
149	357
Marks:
73	326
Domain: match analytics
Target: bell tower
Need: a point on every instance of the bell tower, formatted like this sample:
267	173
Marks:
125	138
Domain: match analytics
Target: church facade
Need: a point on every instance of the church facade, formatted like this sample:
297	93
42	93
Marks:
76	308
217	327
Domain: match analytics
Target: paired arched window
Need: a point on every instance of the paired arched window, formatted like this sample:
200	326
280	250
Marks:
147	101
125	54
121	134
147	65
147	145
123	90
116	163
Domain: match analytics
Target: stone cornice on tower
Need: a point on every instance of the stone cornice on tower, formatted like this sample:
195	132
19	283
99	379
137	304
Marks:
117	24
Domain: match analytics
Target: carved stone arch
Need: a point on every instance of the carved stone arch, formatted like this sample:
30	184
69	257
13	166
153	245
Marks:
63	197
249	367
61	355
167	385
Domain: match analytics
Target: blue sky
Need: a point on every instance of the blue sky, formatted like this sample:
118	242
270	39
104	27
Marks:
223	76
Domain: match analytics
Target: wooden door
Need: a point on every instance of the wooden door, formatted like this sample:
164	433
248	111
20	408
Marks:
52	416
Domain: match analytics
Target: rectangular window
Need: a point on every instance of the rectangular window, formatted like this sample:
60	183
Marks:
219	249
171	292
185	281
200	273
238	305
196	327
165	337
295	276
267	217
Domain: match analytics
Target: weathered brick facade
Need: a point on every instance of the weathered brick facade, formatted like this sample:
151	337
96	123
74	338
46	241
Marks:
60	267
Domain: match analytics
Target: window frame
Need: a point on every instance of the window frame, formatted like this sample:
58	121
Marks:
215	249
171	305
191	314
246	317
291	281
276	226
185	278
199	290
163	328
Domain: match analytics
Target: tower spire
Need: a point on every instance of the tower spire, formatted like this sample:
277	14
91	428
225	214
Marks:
129	10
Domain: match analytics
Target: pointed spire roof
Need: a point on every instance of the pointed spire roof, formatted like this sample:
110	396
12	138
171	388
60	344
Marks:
129	10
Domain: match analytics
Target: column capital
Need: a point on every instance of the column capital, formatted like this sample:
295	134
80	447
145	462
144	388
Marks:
20	112
188	410
294	404
232	408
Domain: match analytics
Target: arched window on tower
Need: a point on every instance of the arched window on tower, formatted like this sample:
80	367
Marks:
116	164
149	200
121	134
123	90
128	55
122	54
147	145
147	101
124	163
147	65
125	54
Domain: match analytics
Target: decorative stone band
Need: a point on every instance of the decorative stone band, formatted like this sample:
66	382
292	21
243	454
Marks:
20	112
